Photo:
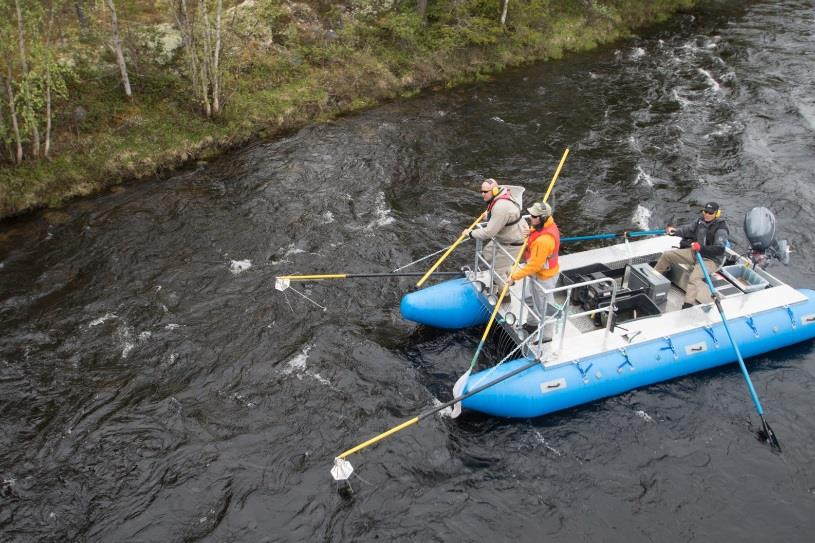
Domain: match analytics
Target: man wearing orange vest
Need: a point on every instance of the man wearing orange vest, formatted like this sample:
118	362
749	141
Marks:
541	257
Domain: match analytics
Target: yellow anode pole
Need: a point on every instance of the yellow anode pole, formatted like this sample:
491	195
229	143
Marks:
312	277
447	252
557	172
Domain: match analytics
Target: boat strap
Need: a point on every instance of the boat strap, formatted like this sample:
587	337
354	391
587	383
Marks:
792	316
751	324
626	361
670	346
584	372
712	334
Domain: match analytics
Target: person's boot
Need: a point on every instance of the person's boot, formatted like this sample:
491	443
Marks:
686	305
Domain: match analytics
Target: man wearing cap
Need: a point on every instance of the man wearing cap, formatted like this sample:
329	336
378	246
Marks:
541	258
504	225
707	236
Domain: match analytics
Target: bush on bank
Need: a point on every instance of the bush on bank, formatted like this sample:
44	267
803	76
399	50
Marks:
284	64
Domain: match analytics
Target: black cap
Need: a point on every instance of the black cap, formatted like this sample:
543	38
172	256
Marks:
711	207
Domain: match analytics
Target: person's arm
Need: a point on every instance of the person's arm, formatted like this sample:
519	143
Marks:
686	231
498	219
540	251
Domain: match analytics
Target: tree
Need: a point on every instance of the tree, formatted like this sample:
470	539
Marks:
421	8
13	112
504	12
28	109
117	48
202	46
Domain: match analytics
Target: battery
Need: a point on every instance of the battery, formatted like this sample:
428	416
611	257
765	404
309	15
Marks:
652	283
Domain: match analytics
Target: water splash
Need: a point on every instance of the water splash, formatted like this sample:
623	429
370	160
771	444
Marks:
238	266
642	216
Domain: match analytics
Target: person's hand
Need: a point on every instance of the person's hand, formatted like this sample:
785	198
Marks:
695	246
670	230
510	282
465	233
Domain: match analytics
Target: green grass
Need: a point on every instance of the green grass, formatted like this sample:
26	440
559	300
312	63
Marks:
371	61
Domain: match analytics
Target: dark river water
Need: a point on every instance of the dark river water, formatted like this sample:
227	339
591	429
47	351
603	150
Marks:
154	386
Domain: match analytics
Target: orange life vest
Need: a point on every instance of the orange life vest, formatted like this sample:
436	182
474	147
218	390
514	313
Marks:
551	230
504	195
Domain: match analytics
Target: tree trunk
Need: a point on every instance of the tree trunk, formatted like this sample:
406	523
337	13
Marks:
117	46
15	126
35	133
421	7
504	13
216	75
81	17
205	64
47	110
182	18
48	82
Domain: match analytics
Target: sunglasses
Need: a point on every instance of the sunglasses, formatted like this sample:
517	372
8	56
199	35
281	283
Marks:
708	212
485	191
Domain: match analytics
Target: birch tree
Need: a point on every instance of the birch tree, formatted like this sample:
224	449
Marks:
203	46
504	12
18	140
26	91
117	48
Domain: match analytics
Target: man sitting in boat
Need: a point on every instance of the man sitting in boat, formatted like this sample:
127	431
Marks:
541	258
708	236
504	225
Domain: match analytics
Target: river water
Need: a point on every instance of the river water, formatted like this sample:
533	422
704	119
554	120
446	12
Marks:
154	386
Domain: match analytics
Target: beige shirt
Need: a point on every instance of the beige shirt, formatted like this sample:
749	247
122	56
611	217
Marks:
503	212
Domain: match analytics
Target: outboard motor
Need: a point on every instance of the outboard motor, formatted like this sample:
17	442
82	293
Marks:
759	227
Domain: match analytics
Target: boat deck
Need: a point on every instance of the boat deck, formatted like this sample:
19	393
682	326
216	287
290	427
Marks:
579	335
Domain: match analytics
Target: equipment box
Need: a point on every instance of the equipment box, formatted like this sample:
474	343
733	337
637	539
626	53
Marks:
644	277
744	278
591	295
628	308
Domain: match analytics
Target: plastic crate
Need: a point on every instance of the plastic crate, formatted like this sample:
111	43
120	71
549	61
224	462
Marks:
744	278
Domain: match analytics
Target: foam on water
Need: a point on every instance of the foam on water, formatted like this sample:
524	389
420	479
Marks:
100	320
296	366
644	177
642	216
238	266
643	415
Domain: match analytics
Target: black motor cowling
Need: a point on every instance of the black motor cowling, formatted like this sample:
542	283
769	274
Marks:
759	227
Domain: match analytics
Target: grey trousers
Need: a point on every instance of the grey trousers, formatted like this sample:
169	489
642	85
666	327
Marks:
542	300
697	291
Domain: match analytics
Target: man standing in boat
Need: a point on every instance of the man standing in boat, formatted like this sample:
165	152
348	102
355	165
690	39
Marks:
541	258
707	236
504	226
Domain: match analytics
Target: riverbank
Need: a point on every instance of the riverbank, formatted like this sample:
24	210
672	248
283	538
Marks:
282	87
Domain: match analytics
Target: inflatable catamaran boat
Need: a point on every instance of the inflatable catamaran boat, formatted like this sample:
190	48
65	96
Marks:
616	324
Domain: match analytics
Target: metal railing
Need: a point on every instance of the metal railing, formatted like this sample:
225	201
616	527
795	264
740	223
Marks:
562	313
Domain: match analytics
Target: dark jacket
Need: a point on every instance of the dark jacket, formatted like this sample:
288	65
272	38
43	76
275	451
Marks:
712	236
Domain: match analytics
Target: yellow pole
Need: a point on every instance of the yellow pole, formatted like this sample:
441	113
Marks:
557	172
380	437
501	298
446	253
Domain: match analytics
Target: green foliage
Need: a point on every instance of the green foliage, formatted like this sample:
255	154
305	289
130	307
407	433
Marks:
284	63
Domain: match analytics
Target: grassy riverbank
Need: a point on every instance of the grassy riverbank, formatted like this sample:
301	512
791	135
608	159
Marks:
313	66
